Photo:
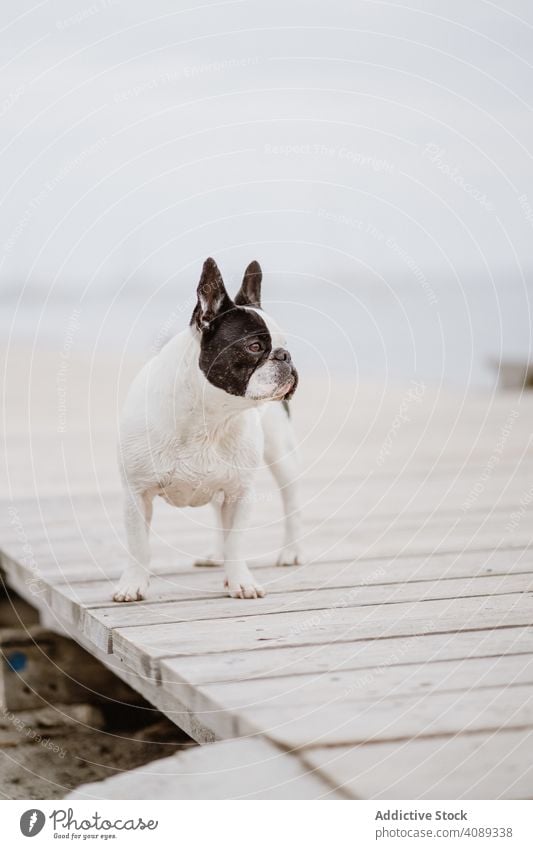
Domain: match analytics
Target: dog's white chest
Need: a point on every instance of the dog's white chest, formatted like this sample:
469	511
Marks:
194	484
181	494
196	477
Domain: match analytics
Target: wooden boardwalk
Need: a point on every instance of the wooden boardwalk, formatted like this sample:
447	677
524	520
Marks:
398	663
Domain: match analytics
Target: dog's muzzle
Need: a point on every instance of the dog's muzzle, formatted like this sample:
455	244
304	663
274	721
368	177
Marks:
287	374
294	384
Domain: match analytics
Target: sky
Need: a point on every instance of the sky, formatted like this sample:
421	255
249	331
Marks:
375	157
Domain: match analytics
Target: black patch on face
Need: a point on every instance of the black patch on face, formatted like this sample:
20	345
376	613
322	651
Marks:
225	358
235	341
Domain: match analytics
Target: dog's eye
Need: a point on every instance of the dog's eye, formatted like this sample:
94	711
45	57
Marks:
255	347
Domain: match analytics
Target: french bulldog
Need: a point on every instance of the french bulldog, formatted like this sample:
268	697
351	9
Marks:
198	421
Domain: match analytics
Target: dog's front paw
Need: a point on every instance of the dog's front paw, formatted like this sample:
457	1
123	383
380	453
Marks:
290	555
243	585
131	587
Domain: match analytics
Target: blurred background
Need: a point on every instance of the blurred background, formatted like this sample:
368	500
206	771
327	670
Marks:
375	157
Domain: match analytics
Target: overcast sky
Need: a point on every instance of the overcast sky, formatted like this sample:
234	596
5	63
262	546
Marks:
362	141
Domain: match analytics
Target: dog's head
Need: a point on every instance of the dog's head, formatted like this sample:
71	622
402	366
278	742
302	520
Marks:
242	350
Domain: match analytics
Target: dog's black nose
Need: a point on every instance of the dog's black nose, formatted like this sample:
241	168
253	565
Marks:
281	354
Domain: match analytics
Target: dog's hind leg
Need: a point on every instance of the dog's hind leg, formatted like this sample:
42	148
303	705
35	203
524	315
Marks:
135	579
281	458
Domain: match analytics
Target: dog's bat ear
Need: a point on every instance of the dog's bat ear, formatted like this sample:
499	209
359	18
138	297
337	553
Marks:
212	296
249	295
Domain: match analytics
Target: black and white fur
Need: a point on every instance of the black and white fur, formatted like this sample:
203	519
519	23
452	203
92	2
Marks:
195	427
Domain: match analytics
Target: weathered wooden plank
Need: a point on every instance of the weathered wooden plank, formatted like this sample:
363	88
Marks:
235	769
92	569
365	506
353	720
190	583
373	498
142	648
306	696
493	765
394	542
355	444
98	623
65	571
295	661
329	542
374	684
